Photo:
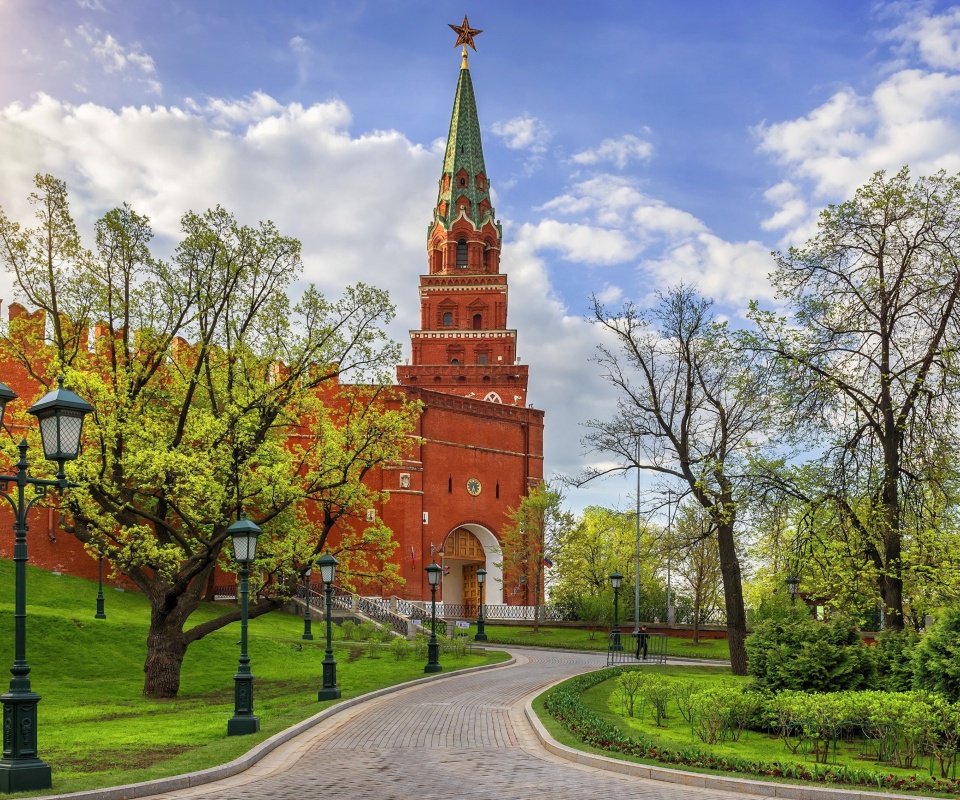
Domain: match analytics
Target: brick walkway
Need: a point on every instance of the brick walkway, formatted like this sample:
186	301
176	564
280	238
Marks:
465	737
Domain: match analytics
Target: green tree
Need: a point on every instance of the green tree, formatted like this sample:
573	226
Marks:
214	394
868	367
534	533
692	406
601	542
936	658
695	559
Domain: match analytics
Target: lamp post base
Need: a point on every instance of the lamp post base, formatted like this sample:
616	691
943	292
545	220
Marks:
329	693
480	637
433	657
23	771
28	775
242	724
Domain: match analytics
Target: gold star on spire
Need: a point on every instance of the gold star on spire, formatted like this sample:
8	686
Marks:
465	34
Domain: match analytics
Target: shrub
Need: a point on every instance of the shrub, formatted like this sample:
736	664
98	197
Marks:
793	651
893	658
658	691
936	661
420	642
628	687
365	631
349	628
400	648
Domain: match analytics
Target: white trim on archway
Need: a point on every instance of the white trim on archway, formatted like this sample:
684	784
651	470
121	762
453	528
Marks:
493	588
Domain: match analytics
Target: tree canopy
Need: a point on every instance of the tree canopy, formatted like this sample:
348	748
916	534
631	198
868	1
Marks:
215	394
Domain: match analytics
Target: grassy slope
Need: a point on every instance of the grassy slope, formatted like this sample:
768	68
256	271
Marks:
96	729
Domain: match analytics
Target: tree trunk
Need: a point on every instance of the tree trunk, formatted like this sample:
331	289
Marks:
166	648
733	597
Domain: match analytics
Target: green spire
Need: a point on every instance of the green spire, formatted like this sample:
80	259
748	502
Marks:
464	173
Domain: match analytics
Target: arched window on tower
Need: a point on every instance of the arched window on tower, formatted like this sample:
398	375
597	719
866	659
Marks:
462	253
477	322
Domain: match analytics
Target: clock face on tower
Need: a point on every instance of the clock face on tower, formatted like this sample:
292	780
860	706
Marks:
473	486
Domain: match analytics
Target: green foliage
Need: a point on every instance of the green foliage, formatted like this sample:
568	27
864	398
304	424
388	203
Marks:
794	651
893	656
201	369
719	714
400	648
349	628
535	529
365	631
937	657
420	643
628	688
815	719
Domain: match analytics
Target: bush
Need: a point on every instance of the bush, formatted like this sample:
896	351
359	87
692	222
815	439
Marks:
893	658
400	648
349	628
365	631
936	661
793	651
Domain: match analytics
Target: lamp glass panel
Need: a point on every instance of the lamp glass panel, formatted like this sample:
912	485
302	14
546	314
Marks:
328	571
244	547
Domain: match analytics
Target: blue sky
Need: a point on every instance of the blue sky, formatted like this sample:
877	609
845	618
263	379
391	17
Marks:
630	144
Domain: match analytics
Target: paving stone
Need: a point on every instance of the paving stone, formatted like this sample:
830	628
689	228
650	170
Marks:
465	738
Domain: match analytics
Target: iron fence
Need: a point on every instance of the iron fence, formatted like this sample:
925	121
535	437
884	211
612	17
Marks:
634	648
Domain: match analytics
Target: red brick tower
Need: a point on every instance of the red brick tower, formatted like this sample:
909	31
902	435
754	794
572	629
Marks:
463	345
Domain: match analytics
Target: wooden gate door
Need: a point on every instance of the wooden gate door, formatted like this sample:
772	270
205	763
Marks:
471	590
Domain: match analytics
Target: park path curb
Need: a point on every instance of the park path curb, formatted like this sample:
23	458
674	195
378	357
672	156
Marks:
255	754
742	786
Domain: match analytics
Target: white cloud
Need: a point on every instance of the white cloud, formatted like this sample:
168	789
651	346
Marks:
132	63
617	151
584	243
523	133
912	117
936	38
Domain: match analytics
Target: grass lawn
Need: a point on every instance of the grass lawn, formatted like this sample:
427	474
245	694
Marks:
578	639
675	733
96	729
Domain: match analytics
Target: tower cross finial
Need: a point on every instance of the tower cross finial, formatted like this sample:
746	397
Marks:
465	36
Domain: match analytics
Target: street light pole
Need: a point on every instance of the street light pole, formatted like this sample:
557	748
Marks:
433	647
243	721
328	571
307	621
481	580
60	414
100	612
617	580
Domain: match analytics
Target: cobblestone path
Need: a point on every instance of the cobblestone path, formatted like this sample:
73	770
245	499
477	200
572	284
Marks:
464	738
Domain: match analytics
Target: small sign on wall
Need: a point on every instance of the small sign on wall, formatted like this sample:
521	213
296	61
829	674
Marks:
426	517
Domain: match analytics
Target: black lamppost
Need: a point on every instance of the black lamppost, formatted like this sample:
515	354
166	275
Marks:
617	580
307	622
100	612
433	647
793	583
328	571
60	414
243	721
481	580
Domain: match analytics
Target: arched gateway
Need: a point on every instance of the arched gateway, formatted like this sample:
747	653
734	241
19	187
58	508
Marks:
466	549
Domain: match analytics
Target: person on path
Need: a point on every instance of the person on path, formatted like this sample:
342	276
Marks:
642	642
